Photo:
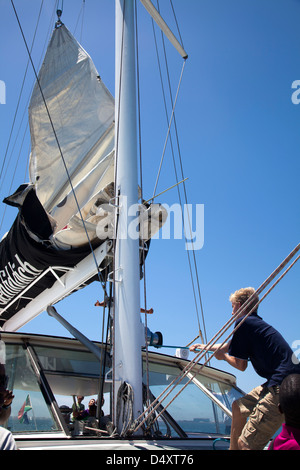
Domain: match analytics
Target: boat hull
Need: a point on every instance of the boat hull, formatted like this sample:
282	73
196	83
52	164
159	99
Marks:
155	447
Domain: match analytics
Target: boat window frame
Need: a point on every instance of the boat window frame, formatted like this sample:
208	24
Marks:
45	388
212	373
209	372
31	342
207	392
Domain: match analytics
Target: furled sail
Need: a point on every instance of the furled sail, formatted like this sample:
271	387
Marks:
71	117
26	253
77	144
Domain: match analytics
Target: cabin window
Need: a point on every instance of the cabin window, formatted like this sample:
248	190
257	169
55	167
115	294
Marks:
203	406
29	410
70	373
67	361
193	409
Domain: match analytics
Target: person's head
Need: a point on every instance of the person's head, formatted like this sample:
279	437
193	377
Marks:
92	407
289	399
4	393
80	398
239	297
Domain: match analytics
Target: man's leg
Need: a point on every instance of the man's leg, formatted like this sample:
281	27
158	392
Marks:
238	423
263	422
242	445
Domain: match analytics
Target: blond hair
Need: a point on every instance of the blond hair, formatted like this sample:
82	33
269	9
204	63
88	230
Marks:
242	295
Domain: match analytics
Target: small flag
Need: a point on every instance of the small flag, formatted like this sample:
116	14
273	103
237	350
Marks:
22	415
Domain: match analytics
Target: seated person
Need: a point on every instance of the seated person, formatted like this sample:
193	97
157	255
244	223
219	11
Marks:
289	405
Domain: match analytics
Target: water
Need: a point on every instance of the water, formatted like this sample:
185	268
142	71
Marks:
33	425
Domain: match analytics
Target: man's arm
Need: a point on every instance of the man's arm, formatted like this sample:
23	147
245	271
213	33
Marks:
221	353
213	348
240	364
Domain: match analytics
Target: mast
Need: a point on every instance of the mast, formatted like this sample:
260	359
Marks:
128	329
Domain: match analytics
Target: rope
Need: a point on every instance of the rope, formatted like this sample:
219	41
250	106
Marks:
15	115
125	396
212	342
152	427
235	329
176	21
169	128
59	147
104	353
182	175
81	13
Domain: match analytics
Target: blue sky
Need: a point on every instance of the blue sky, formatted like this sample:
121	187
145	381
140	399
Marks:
239	140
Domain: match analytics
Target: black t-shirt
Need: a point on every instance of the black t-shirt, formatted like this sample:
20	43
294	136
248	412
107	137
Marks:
263	345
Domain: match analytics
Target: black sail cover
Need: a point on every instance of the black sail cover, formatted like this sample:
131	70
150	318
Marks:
52	225
26	252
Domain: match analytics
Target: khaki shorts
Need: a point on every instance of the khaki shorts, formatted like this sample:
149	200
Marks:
264	418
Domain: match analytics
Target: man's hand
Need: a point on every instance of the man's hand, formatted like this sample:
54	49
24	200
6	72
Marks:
195	346
220	355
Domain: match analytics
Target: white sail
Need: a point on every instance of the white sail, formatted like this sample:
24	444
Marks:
82	115
71	116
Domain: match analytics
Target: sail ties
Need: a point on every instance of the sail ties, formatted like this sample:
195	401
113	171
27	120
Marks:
187	371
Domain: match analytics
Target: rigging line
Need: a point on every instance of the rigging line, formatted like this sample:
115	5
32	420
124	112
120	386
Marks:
172	151
142	198
193	340
21	91
15	143
184	188
165	106
167	117
230	335
227	325
167	70
175	18
24	113
80	14
20	126
13	176
244	306
20	149
189	370
103	355
166	110
165	190
169	128
58	145
82	21
62	5
16	165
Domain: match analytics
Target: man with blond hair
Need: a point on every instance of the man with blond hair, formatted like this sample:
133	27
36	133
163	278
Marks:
255	416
